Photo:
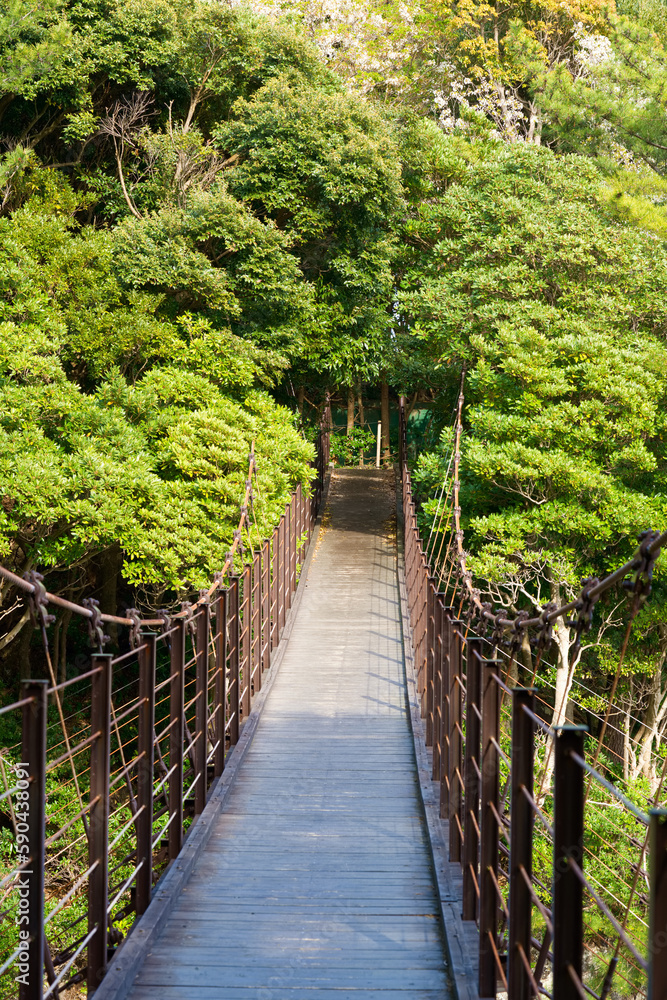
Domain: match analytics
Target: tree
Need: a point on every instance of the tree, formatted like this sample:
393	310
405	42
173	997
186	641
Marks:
519	270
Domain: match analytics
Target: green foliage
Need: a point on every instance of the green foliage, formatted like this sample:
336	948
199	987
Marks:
349	449
324	168
550	303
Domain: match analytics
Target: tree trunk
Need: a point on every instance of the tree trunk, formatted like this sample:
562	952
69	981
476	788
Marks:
613	738
384	417
527	657
300	394
564	674
362	421
350	410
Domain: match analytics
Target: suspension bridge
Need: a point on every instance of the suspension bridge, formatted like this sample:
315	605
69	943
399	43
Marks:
322	779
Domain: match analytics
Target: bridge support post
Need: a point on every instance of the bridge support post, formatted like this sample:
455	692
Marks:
293	538
201	709
34	757
488	879
281	575
287	547
176	735
471	772
422	618
275	625
220	687
568	892
446	688
438	625
455	747
256	670
521	845
431	599
246	636
266	605
145	750
234	635
657	941
98	839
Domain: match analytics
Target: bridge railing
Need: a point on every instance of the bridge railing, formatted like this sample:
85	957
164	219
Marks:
116	764
516	793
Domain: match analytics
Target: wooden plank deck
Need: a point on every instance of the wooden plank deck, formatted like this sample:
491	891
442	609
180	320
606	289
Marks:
317	880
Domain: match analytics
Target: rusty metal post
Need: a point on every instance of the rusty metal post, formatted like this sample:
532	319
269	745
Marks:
521	844
657	940
422	628
234	634
488	899
266	605
430	657
201	709
568	892
220	687
275	624
145	764
288	558
246	626
34	757
300	522
292	547
281	575
446	687
176	736
471	773
98	825
438	613
256	668
455	740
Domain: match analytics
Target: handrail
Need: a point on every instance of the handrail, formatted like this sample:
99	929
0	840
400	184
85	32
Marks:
158	765
484	731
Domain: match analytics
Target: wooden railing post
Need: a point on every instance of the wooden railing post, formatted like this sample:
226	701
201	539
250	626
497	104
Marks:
455	742
657	940
201	706
234	634
568	892
488	898
33	755
220	687
521	845
471	772
98	823
145	764
176	736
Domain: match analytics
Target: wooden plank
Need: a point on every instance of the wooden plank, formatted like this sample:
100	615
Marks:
281	988
186	973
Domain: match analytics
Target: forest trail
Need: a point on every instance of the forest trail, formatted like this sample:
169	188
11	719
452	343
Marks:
317	881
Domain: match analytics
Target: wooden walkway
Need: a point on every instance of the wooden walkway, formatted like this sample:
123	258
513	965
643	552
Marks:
317	880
